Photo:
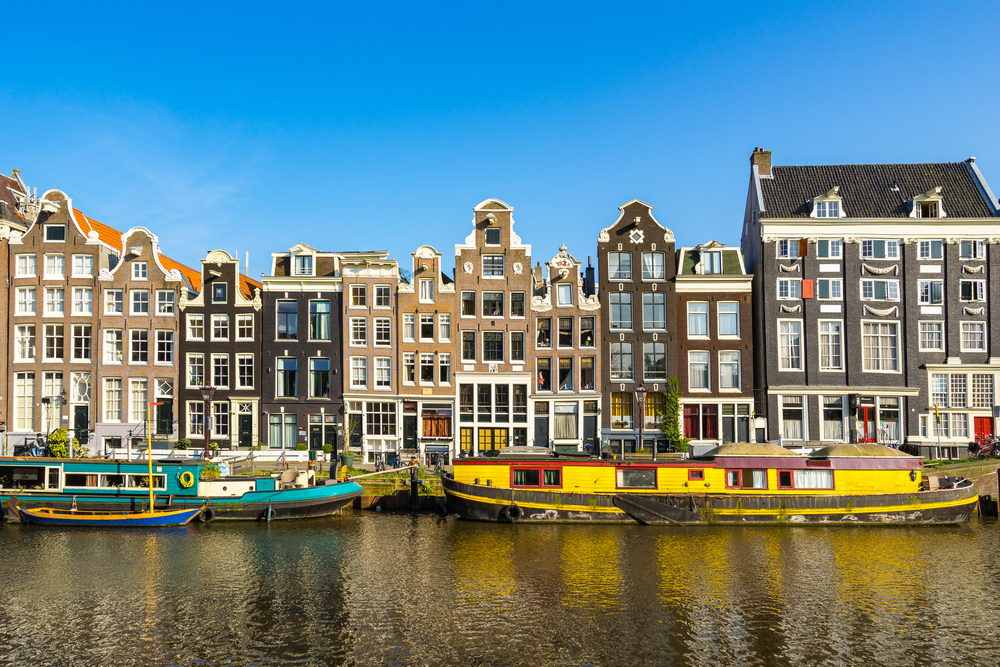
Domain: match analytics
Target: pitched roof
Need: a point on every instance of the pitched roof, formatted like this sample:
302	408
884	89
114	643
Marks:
867	189
107	235
6	184
192	277
730	261
248	285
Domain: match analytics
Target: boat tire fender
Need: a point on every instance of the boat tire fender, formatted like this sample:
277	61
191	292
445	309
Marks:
511	513
186	479
207	514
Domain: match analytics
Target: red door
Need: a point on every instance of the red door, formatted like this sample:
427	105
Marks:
983	426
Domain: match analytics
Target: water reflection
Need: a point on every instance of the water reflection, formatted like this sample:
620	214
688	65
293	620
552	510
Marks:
400	590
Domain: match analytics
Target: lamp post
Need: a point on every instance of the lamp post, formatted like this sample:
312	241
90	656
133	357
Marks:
206	395
640	398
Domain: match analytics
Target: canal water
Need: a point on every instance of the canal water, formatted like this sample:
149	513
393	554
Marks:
395	590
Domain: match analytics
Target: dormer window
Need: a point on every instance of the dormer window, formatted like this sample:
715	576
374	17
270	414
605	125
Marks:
829	205
928	205
711	262
303	265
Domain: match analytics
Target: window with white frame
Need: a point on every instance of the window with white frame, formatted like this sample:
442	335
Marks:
621	361
112	399
426	368
827	209
729	370
654	360
619	266
26	266
359	296
698	370
55	301
359	332
139	271
113	346
468	304
303	265
880	290
792	417
383	296
114	302
711	262
82	336
926	209
380	418
55	232
790	345
287	377
654	310
787	248
83	301
880	346
24	401
653	266
729	319
24	342
939	389
973	336
930	291
138	346
164	347
383	332
426	291
54	342
879	249
789	288
409	326
220	419
697	319
164	302
973	290
982	390
833	418
195	327
492	266
220	370
564	294
959	425
409	367
195	370
359	372
468	346
972	249
444	368
930	250
829	248
55	267
196	418
620	309
958	390
138	399
220	327
244	327
444	327
426	327
932	336
244	371
383	373
25	300
140	302
830	288
831	342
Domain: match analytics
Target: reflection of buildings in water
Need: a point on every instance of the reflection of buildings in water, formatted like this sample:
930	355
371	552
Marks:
484	566
591	562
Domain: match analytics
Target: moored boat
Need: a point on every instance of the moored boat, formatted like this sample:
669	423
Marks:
49	516
742	483
98	485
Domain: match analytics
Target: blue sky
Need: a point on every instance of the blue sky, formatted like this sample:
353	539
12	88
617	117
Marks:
352	127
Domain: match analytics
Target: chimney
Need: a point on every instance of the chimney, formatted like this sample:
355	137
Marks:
588	282
762	160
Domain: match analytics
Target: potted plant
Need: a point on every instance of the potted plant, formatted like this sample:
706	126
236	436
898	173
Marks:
183	443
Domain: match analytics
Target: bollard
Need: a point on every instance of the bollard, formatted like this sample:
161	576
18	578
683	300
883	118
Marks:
414	498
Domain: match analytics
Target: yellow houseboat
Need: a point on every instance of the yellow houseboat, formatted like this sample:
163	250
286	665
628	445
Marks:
735	483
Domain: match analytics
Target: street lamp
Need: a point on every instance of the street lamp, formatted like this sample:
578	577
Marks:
206	395
640	398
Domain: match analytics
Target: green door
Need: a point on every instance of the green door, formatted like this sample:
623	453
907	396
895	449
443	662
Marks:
410	432
165	417
246	430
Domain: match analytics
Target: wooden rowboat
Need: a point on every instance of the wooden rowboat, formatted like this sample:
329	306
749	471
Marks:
50	516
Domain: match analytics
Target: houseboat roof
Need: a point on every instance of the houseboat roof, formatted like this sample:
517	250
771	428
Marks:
749	449
871	449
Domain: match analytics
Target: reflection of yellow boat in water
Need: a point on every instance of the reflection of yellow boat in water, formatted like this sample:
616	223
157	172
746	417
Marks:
736	483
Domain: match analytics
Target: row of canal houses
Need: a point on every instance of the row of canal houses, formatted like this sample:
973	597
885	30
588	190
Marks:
858	308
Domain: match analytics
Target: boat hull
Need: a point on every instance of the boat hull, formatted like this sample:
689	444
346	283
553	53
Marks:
485	503
54	517
281	504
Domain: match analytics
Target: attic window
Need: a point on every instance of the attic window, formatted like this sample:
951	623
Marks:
928	205
493	236
55	232
303	265
711	262
635	236
828	205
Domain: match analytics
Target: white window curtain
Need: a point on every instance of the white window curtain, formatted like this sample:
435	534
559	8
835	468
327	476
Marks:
813	479
759	479
565	421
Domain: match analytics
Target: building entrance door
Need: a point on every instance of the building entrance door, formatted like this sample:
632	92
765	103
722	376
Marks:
246	430
983	426
81	423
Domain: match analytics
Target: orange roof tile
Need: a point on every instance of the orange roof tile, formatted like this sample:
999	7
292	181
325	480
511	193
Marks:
248	285
193	277
107	235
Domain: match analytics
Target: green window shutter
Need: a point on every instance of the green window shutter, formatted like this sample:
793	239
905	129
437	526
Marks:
937	292
879	249
823	248
880	289
966	250
967	290
936	249
824	288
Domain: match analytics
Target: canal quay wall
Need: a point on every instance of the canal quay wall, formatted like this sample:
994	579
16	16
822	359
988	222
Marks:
982	473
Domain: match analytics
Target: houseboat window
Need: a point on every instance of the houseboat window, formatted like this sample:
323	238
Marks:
80	479
142	482
813	479
784	479
630	478
746	479
551	478
696	474
53	478
24	477
113	480
526	477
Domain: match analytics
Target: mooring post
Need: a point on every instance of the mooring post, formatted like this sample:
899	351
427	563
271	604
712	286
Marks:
414	499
